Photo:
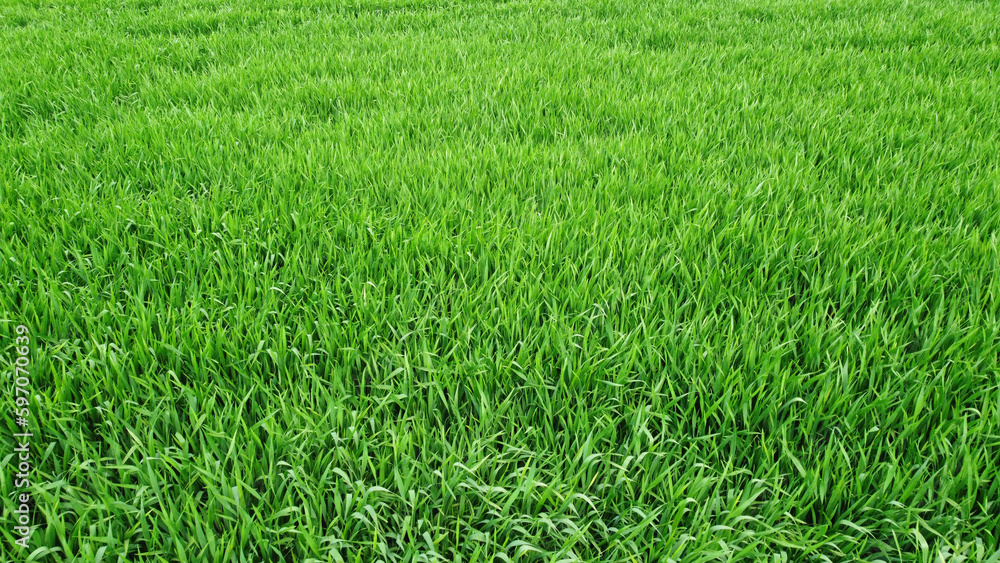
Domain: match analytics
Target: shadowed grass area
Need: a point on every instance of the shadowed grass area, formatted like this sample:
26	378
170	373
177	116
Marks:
504	281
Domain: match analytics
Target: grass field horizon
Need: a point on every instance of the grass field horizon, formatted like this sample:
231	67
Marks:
408	281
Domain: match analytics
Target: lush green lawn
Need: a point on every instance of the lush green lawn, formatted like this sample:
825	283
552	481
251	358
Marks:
542	280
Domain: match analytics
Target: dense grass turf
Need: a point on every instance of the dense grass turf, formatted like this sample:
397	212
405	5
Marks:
484	281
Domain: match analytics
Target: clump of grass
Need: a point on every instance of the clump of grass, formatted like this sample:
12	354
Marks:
427	281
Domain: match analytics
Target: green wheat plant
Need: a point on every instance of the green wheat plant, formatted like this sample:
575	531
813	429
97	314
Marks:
476	281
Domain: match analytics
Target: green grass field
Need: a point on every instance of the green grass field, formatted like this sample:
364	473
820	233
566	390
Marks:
427	281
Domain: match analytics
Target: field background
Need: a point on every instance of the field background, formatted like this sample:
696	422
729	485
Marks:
504	281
